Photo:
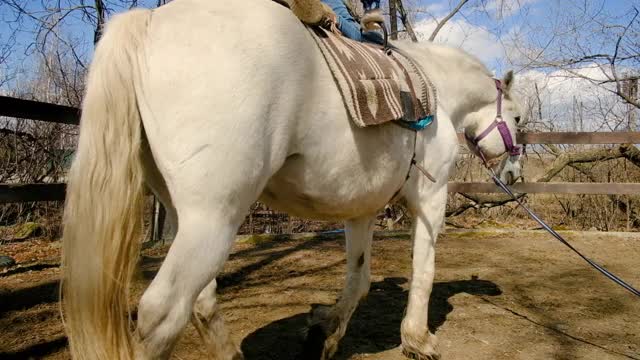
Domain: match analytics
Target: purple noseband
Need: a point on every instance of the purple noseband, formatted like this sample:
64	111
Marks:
503	129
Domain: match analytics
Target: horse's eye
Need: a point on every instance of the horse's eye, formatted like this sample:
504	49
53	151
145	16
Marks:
517	119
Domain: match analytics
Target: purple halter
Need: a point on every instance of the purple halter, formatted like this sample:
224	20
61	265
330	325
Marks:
503	129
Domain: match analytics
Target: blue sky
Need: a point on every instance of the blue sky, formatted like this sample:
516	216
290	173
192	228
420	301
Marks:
21	31
471	21
533	20
481	28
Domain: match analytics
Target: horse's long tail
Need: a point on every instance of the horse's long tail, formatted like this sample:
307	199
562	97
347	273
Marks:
103	213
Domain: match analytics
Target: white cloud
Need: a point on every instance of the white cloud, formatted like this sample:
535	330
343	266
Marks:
571	102
437	8
477	40
561	88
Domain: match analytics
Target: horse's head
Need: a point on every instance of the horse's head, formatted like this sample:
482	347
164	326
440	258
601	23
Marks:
491	131
486	108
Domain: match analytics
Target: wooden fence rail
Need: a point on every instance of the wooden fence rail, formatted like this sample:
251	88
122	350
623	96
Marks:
10	193
56	192
34	110
574	138
549	188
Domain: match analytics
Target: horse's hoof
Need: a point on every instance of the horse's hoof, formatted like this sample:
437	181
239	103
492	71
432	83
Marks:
323	334
434	355
320	345
427	350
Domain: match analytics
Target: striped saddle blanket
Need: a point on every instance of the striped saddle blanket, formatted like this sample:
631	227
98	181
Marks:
377	86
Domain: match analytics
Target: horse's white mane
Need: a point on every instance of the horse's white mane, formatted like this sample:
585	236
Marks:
446	52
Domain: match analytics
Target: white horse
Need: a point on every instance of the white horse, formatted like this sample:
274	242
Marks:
213	105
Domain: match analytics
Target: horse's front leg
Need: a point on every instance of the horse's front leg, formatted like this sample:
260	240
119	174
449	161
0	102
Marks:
329	323
428	207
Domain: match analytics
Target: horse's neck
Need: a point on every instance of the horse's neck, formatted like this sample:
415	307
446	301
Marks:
463	86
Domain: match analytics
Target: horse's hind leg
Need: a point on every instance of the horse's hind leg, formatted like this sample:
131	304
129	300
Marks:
329	323
201	247
211	192
209	322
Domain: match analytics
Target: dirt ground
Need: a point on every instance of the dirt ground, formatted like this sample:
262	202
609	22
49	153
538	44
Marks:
499	294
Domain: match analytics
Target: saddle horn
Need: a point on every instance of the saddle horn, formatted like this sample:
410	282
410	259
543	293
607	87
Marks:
373	19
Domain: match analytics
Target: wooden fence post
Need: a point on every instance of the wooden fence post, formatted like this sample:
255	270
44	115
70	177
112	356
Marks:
162	217
152	225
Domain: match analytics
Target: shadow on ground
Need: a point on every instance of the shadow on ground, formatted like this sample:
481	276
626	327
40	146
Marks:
24	298
374	327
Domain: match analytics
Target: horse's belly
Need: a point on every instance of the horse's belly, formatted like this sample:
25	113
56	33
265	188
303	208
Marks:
307	203
317	192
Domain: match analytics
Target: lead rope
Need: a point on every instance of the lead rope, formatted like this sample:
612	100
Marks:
602	270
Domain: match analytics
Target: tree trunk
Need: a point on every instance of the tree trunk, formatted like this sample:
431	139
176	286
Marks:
101	15
405	21
393	19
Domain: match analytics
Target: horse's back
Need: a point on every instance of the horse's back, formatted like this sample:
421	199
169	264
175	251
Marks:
219	91
219	69
220	34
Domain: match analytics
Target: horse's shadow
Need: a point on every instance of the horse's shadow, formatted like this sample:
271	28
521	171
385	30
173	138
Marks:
374	327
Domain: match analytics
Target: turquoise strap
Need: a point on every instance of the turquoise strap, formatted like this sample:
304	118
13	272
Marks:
417	125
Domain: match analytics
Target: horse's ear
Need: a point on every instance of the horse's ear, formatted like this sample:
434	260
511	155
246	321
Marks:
507	82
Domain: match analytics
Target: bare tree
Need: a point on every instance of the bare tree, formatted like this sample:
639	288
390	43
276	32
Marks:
588	38
32	151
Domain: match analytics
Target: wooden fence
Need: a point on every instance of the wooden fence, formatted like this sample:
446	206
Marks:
33	110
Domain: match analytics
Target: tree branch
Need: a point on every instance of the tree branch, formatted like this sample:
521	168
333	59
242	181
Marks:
446	19
482	201
567	159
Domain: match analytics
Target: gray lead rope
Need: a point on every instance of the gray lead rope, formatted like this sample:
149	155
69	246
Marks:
604	271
